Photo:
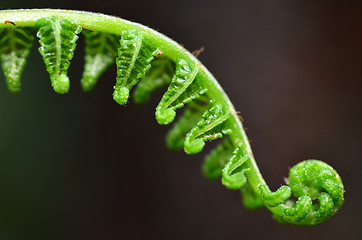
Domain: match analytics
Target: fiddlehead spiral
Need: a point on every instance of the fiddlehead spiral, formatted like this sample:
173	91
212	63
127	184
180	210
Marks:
57	39
319	190
208	115
15	47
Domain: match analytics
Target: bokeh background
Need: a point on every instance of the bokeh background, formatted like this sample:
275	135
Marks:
78	166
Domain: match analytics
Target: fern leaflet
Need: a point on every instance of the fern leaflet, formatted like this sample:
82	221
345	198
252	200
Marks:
176	136
57	39
183	89
100	53
15	44
233	176
135	55
158	76
210	127
216	159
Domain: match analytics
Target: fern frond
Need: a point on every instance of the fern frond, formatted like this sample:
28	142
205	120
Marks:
209	114
176	136
233	174
215	161
158	76
311	180
100	52
15	45
251	199
272	199
57	39
135	55
183	89
210	127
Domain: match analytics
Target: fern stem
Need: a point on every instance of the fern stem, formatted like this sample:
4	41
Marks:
170	49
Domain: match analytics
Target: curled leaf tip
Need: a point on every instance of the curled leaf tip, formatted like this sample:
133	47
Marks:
319	191
121	95
61	84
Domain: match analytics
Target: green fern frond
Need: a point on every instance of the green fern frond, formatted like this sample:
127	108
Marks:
233	174
176	136
135	55
100	52
309	181
215	161
57	39
208	115
272	199
210	127
251	199
15	45
158	76
183	89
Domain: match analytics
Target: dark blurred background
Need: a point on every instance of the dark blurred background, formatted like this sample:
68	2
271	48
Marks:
78	166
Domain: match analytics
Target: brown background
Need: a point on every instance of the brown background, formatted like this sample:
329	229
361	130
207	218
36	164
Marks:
78	166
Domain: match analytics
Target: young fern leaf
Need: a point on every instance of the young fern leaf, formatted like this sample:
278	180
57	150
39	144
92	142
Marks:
100	52
158	76
57	39
233	176
210	127
272	199
309	181
176	136
251	200
135	54
15	45
183	89
317	186
215	161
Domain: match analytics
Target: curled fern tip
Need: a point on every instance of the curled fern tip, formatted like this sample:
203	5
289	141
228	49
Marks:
319	191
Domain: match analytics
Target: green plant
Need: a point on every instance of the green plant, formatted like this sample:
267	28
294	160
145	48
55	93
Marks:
158	61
